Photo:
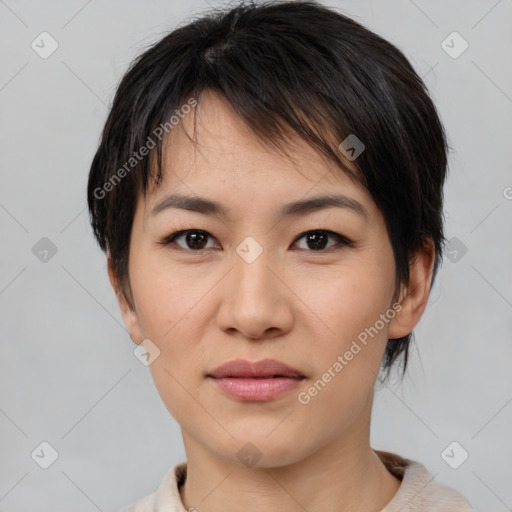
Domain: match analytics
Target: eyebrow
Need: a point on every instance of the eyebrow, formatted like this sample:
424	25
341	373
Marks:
296	208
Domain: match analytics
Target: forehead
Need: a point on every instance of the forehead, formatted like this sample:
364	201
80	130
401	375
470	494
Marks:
228	159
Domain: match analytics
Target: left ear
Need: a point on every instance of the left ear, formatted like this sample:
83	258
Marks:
130	317
414	296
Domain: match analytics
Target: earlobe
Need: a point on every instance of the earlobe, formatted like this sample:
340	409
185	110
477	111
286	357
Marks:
414	296
129	315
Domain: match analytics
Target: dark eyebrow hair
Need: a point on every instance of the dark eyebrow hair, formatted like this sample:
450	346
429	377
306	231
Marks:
301	207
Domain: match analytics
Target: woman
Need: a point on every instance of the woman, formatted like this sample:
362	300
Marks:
268	190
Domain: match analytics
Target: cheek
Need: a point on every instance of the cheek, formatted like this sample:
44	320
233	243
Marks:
166	296
348	307
172	313
345	301
172	389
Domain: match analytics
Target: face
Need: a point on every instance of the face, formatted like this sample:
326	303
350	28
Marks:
252	281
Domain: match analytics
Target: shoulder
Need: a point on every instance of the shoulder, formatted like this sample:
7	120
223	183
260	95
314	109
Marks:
419	491
146	504
424	493
166	497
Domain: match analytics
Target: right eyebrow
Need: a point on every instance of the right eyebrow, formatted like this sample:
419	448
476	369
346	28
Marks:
305	206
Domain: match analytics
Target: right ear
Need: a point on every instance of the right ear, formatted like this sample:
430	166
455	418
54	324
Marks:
130	318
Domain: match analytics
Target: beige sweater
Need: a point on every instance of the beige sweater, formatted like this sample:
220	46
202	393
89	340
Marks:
417	493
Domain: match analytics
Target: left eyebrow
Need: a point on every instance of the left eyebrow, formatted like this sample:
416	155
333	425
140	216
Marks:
296	208
305	206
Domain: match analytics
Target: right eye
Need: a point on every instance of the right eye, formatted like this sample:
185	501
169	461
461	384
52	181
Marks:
195	239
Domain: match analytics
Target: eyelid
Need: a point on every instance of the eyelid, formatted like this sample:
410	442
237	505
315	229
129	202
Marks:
169	239
342	240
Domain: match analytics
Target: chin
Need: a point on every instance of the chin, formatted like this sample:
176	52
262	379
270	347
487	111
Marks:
260	450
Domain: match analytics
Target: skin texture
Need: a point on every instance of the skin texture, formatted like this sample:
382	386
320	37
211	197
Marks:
295	304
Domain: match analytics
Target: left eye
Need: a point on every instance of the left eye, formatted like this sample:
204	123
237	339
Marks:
196	240
317	239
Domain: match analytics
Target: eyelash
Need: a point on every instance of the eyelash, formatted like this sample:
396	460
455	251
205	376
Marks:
342	240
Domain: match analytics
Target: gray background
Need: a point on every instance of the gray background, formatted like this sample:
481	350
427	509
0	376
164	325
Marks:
68	375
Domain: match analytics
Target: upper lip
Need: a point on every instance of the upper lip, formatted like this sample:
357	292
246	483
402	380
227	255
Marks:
263	368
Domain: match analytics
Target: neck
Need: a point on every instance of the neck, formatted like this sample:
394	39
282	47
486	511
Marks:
345	475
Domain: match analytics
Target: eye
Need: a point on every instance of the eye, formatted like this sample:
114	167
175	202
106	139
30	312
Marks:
317	239
195	239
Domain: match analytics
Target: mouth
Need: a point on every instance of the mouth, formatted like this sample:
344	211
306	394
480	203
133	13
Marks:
255	381
264	369
258	377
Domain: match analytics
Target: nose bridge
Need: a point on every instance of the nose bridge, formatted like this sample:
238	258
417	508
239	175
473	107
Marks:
254	302
252	277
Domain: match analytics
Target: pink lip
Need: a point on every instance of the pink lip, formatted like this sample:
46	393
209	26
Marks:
256	381
263	368
256	389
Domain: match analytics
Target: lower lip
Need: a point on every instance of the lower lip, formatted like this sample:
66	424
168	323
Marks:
256	389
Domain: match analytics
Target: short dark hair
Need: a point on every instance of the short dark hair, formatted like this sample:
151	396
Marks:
285	67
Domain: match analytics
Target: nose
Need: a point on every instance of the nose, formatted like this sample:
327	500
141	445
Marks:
256	303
